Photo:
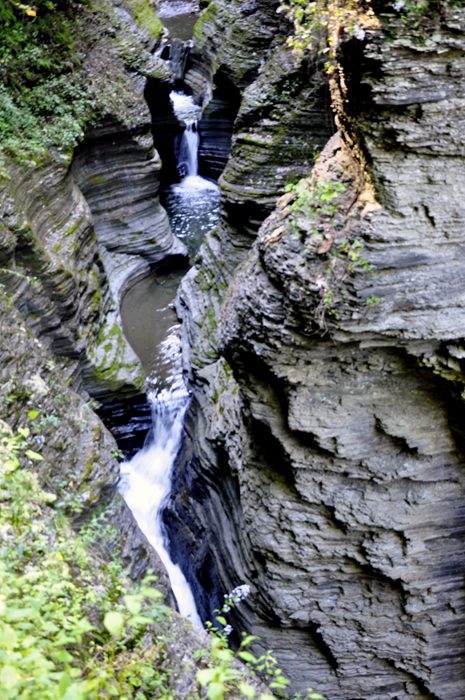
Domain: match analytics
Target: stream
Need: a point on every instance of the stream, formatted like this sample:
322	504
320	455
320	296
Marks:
152	329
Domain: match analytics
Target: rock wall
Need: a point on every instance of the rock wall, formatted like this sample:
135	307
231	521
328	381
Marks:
80	468
324	460
77	228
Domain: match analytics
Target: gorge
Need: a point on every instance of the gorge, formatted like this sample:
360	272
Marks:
311	405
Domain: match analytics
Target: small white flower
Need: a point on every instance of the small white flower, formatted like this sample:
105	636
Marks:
227	630
359	33
240	592
398	5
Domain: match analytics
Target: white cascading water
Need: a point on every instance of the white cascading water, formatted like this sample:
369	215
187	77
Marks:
188	152
146	479
188	112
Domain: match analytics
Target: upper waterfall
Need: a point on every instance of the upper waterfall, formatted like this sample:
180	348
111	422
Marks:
188	161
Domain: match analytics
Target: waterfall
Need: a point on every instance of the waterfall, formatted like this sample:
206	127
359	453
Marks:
146	479
188	161
145	482
189	113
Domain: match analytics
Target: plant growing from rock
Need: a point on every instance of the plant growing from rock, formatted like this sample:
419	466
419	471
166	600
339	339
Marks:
311	219
224	675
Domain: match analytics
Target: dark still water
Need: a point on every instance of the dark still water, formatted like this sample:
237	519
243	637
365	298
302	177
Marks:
151	327
179	17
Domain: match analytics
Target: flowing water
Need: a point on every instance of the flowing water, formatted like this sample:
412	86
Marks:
179	16
152	330
193	205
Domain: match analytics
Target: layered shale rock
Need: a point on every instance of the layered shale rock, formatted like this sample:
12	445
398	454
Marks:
282	124
326	455
79	455
53	269
232	38
78	228
216	127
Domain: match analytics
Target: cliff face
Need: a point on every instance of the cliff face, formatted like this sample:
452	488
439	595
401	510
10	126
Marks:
78	226
326	457
78	472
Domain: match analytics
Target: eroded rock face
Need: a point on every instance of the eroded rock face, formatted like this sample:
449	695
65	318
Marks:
232	37
79	455
327	446
78	229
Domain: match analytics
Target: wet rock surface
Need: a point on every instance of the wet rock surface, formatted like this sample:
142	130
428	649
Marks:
324	461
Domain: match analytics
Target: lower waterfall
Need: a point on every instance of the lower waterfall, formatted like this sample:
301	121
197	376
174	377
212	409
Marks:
146	479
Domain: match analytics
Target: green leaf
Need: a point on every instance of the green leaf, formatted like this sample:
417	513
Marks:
222	621
216	691
33	414
11	464
13	614
247	690
63	685
315	696
206	675
133	604
34	455
8	638
199	654
225	654
28	641
114	622
267	697
247	656
24	432
152	593
8	677
139	620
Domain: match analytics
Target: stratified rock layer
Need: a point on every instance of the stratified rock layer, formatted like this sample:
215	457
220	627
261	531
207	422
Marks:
326	463
77	228
79	454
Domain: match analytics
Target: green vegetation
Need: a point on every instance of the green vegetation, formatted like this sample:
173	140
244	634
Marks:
74	627
42	101
145	15
207	16
316	208
70	627
314	198
53	80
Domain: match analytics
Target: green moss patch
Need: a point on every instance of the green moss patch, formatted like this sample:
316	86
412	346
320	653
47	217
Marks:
145	16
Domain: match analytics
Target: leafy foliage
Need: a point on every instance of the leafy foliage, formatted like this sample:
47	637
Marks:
315	209
42	101
68	628
224	674
315	197
63	65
